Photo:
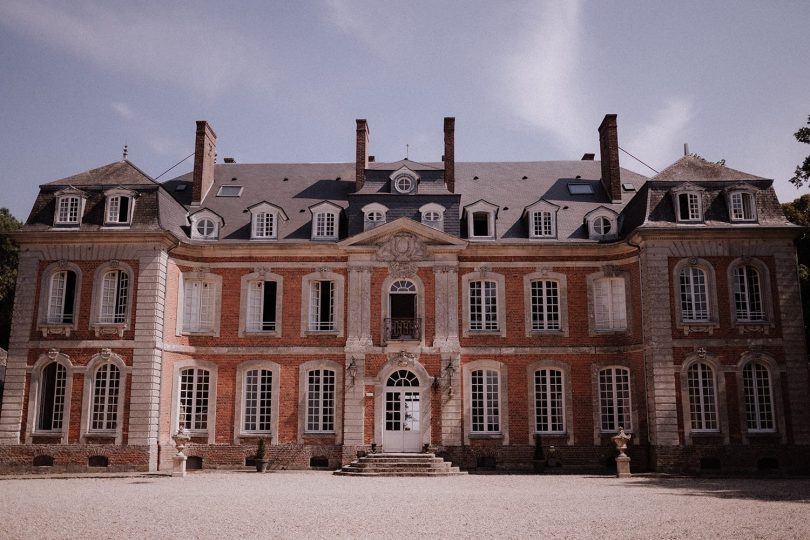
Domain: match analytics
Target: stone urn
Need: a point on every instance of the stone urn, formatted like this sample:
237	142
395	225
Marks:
622	460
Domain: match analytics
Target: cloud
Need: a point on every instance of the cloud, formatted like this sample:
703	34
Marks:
123	110
658	141
541	77
158	42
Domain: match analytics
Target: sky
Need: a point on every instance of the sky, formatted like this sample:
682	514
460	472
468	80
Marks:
284	82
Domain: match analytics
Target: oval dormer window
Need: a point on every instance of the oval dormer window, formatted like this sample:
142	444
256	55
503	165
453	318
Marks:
404	183
602	225
205	228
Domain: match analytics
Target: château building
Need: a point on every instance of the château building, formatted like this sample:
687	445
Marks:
474	308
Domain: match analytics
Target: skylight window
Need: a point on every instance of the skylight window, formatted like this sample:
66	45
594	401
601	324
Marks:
627	186
229	191
180	187
580	189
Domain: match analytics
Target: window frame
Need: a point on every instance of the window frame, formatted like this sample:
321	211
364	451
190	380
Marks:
106	357
598	214
743	195
99	326
500	302
374	209
549	417
303	378
242	371
110	196
35	398
599	417
432	208
246	281
562	302
44	304
503	402
705	400
592	279
757	406
688	326
211	416
64	196
339	305
481	207
214	281
766	297
200	216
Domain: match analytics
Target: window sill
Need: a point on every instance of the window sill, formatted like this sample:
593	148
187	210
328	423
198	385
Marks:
715	433
65	226
255	434
101	434
198	333
109	329
753	327
261	333
324	434
485	435
109	226
48	434
321	332
495	332
546	332
697	327
762	434
607	331
550	434
56	329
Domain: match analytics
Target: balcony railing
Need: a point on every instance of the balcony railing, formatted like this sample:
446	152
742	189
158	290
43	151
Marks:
403	329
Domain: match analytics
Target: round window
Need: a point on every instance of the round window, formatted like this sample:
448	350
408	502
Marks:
432	216
205	228
375	216
602	226
404	183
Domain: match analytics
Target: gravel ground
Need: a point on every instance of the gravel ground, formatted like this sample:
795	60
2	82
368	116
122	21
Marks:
319	505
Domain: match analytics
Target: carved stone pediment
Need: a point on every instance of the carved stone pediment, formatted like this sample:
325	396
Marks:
402	247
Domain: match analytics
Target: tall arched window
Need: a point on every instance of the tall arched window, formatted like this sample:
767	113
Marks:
258	401
748	305
194	391
114	297
105	398
485	401
52	397
614	399
62	297
320	400
702	397
758	398
548	397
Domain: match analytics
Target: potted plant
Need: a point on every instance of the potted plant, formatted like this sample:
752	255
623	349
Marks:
261	456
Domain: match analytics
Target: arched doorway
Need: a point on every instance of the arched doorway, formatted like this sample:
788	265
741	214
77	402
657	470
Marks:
402	431
403	323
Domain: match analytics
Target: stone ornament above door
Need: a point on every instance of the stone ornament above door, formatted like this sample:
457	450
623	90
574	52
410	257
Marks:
402	247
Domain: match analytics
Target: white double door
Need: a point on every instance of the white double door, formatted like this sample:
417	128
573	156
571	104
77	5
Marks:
402	430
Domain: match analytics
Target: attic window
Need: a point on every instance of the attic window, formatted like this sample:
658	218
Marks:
580	189
180	187
229	191
627	186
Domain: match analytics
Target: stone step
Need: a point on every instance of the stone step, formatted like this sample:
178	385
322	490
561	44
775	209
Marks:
367	465
400	460
399	464
391	473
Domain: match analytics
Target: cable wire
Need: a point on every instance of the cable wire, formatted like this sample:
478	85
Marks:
173	166
634	157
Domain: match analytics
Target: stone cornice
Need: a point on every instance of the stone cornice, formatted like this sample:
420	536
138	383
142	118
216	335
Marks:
753	232
129	237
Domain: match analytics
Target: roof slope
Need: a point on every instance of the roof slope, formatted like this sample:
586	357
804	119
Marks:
693	167
116	173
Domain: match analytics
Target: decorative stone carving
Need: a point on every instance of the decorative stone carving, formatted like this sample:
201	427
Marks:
753	329
444	269
402	269
62	264
202	269
609	270
181	438
402	247
114	263
404	359
106	353
53	353
698	329
542	270
323	269
693	261
701	353
622	460
484	270
262	270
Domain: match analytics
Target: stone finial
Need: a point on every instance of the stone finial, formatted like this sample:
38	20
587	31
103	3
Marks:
620	440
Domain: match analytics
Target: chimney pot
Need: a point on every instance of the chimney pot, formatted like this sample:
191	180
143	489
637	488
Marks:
449	156
609	155
230	160
362	158
588	157
205	152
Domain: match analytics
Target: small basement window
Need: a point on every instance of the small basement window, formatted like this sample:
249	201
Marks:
580	189
229	191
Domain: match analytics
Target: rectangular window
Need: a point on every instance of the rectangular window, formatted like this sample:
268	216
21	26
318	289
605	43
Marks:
742	206
114	294
758	403
485	402
688	207
62	297
262	306
545	305
52	387
609	304
264	225
614	399
258	401
118	209
106	389
548	400
68	210
194	387
322	306
198	306
694	303
481	224
747	295
483	305
325	225
702	408
321	400
542	224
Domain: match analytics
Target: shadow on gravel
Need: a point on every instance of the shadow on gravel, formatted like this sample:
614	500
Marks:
761	489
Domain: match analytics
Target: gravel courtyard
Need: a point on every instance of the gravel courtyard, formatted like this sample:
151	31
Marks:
319	505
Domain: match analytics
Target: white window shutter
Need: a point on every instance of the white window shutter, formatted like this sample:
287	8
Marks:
255	297
601	303
619	307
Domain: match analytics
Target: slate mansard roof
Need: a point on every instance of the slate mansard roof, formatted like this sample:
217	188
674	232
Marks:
509	187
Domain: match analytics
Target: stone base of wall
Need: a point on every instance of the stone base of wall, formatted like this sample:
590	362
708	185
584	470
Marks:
756	457
281	456
72	458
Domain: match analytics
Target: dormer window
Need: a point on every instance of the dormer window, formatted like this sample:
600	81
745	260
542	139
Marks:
325	221
602	224
433	216
404	181
69	207
688	201
742	206
542	219
119	208
205	225
481	220
373	215
264	221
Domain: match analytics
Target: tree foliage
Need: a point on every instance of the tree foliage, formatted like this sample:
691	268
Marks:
802	173
8	272
798	212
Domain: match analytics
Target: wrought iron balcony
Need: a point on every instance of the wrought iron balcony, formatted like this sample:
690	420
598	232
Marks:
403	329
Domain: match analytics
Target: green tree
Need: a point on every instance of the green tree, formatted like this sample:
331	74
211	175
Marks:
802	173
8	273
798	212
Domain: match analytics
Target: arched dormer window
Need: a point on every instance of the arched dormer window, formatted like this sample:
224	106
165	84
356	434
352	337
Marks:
433	215
404	181
481	216
325	221
205	225
119	207
741	201
541	218
688	201
264	220
602	224
374	215
69	207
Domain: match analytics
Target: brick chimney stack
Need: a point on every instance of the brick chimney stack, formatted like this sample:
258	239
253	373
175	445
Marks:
362	154
450	154
205	148
609	154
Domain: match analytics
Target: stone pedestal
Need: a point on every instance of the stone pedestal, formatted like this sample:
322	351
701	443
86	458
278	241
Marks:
179	466
623	467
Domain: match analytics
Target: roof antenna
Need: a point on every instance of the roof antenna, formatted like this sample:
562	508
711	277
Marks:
407	150
686	149
126	152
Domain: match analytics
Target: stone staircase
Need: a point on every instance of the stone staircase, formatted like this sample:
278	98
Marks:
399	465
